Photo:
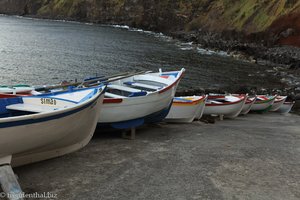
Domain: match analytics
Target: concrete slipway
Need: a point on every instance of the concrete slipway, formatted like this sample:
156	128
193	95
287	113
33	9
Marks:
251	157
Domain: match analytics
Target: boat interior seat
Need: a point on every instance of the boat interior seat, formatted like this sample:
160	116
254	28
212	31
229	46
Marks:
152	80
31	108
123	88
175	74
142	85
111	95
214	102
132	94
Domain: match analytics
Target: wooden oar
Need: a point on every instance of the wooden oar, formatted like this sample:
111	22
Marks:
51	87
86	83
117	78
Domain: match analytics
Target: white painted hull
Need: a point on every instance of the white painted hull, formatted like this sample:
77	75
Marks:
201	108
47	139
262	106
131	108
184	112
278	103
247	107
15	90
228	110
135	108
285	108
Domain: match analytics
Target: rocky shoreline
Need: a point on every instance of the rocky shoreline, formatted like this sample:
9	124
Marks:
282	61
237	45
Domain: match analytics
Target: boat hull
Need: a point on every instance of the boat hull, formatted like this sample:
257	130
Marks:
134	108
248	105
278	103
263	106
50	135
149	119
186	112
200	111
230	110
285	108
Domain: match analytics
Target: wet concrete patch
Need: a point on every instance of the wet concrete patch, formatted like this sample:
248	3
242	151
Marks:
252	157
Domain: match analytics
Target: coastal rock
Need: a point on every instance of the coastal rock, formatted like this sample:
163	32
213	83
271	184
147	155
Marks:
190	92
288	32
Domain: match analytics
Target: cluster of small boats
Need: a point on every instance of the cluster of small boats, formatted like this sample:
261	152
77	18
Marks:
38	123
227	106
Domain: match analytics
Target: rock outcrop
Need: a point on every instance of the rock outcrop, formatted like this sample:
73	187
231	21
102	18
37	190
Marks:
13	7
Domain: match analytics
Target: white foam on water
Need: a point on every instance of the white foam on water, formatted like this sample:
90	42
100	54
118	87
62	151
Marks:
211	52
189	46
120	26
136	29
157	35
186	48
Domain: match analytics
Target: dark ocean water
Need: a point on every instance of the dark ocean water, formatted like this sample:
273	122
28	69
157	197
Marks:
38	52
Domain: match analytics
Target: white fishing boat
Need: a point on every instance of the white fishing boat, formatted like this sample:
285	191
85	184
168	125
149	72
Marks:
41	127
186	109
263	103
139	99
227	106
286	107
279	101
248	105
16	89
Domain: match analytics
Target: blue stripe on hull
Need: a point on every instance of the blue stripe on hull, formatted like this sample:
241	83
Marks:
49	118
158	117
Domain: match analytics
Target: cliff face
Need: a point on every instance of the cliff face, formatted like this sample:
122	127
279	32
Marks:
13	7
258	19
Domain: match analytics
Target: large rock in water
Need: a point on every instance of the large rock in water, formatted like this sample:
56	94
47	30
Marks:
13	7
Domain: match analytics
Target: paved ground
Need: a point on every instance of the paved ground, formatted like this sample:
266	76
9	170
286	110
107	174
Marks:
253	157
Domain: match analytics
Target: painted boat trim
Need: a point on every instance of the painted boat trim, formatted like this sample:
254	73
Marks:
280	100
112	100
258	101
227	103
249	101
190	103
173	84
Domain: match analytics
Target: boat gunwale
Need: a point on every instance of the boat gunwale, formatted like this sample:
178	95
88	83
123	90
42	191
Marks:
174	83
280	100
192	102
249	101
264	101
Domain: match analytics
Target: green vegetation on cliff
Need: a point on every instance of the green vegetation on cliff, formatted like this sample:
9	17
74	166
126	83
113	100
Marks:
216	15
246	16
